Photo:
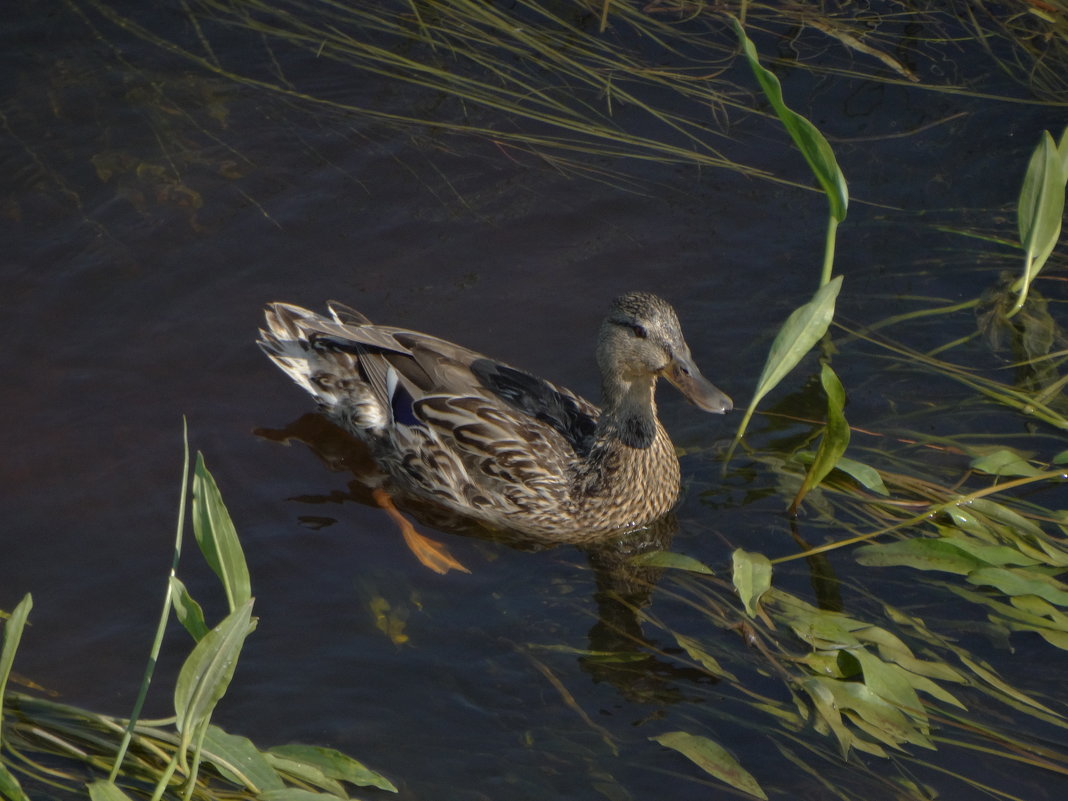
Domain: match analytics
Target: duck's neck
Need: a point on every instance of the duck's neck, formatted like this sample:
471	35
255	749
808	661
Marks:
629	413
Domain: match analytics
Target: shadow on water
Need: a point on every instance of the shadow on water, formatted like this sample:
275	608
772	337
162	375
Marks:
618	651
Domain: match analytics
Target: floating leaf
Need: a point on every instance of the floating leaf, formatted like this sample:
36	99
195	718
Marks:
217	537
207	671
1015	581
694	650
865	475
921	553
295	794
335	765
1004	462
752	578
16	622
240	761
309	774
891	683
678	561
712	758
187	610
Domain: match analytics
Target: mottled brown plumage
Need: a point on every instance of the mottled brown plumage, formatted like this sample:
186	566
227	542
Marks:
496	443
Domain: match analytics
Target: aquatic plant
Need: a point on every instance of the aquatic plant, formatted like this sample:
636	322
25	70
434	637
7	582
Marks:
165	758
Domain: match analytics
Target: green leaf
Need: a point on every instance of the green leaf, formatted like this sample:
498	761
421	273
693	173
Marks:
835	437
1040	210
802	329
309	774
237	759
891	683
335	765
103	790
809	140
698	654
10	789
294	794
668	559
1021	582
920	553
217	537
12	635
187	610
1004	462
865	475
712	758
752	578
208	670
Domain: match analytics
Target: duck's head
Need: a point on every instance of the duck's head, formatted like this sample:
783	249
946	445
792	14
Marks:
641	340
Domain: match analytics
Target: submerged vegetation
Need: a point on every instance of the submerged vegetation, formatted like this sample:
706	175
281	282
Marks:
857	694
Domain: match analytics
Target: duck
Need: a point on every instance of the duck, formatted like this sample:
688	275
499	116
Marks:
493	442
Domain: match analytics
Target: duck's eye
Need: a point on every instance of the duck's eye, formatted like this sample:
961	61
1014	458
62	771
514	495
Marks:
639	331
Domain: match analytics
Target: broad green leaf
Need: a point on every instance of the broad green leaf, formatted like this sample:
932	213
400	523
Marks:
712	758
207	671
103	790
187	610
891	683
995	555
12	635
240	761
217	537
306	773
802	329
1040	211
809	140
752	578
819	691
1004	462
694	650
865	475
10	789
874	715
335	765
1016	522
668	559
1017	581
835	437
893	649
920	553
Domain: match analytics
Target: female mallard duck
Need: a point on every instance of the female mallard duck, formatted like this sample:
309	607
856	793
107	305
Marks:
493	442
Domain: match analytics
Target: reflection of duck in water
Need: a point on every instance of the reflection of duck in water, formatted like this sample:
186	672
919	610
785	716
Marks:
494	443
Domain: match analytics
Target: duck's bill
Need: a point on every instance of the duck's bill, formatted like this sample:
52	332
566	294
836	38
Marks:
683	373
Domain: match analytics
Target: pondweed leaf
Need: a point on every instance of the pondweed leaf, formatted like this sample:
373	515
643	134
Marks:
804	327
1018	581
103	790
699	655
217	537
752	578
187	610
1004	462
866	475
809	140
308	774
207	671
920	553
712	758
335	765
12	635
295	794
835	437
238	760
668	559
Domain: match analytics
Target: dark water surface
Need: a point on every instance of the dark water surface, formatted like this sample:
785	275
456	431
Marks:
131	300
